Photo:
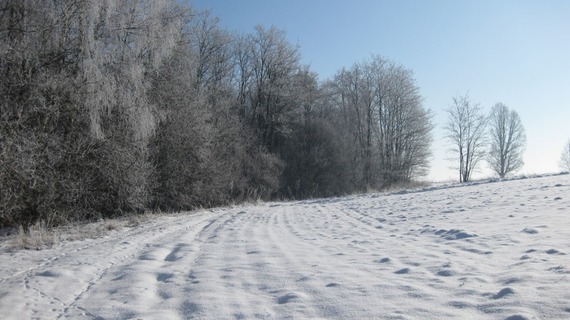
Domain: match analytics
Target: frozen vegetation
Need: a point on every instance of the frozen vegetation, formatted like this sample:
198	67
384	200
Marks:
493	250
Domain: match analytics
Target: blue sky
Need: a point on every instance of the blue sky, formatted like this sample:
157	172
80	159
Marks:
514	52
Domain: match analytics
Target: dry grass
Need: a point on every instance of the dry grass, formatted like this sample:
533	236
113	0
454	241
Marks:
39	236
401	186
36	237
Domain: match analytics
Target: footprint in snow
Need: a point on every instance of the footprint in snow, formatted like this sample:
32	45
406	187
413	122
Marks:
559	269
446	273
119	277
529	231
403	271
49	274
512	280
287	298
188	307
147	256
455	234
163	277
503	293
516	317
173	255
460	304
474	250
554	251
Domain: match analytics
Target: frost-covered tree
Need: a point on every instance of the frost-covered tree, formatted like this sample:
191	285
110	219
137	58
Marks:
74	111
403	126
389	128
465	129
267	66
355	103
508	140
565	158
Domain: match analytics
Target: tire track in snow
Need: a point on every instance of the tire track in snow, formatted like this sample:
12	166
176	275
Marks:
46	268
147	285
285	264
59	279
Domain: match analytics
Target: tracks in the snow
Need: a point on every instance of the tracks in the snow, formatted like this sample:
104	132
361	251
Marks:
431	254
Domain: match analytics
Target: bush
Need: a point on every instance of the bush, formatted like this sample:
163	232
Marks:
316	162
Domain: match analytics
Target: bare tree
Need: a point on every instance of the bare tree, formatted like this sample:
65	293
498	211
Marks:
212	51
355	101
565	158
508	140
403	126
266	64
383	113
466	130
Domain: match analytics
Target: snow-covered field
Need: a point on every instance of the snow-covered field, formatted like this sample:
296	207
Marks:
486	251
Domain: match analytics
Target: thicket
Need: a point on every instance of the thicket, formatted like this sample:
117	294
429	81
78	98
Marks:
120	106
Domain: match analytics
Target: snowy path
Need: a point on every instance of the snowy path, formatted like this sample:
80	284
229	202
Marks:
488	251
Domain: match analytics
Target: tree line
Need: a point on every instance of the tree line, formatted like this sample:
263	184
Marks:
121	106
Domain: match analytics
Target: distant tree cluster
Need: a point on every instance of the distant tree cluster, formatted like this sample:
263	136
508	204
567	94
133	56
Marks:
120	106
503	146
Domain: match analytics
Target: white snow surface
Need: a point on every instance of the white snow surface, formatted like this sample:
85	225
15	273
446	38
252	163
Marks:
496	250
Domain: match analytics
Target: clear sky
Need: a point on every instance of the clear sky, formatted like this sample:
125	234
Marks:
514	52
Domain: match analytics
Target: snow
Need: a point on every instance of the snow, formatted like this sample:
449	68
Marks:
497	250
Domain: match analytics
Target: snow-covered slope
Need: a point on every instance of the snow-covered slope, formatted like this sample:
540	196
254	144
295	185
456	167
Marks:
488	251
